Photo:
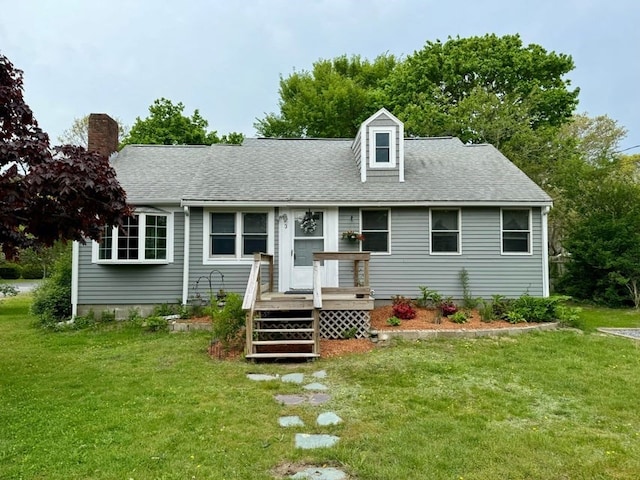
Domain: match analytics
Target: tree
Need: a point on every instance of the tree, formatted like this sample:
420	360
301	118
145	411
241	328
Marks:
597	138
330	101
166	125
78	133
48	194
604	240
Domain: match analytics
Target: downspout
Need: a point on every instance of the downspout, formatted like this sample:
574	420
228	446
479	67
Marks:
185	259
75	263
545	251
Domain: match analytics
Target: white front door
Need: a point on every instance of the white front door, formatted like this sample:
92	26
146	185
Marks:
301	236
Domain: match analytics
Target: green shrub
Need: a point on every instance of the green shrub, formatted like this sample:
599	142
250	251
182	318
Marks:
428	298
393	321
32	271
52	298
515	316
569	316
8	290
459	317
9	271
536	309
228	321
108	316
485	310
469	302
500	305
155	323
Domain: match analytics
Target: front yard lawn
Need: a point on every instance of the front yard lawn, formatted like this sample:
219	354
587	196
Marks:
115	402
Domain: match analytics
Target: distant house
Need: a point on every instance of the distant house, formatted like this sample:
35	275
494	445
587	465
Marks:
426	207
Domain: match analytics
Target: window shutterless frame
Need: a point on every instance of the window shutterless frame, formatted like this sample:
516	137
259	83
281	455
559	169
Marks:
515	231
445	231
382	147
376	228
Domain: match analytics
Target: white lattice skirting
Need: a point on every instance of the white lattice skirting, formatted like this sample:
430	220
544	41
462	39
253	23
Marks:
336	324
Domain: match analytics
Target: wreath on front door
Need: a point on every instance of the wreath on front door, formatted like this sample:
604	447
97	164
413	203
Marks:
308	224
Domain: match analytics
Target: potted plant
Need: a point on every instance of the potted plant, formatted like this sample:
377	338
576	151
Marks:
352	236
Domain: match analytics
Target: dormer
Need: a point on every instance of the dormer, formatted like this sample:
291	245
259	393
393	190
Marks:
379	148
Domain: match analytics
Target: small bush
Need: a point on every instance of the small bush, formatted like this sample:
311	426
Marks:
486	311
428	298
155	324
448	307
515	316
166	309
459	317
569	317
8	290
52	298
108	316
393	321
32	272
350	333
9	271
536	309
228	321
403	308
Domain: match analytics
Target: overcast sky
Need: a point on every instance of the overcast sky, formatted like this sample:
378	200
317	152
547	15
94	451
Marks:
225	57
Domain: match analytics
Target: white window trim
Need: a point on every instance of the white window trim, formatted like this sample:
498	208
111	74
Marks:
142	219
459	230
392	147
388	210
238	258
530	231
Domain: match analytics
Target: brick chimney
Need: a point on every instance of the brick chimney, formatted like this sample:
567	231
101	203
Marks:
103	134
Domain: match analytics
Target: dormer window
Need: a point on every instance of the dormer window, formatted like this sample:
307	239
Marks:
382	145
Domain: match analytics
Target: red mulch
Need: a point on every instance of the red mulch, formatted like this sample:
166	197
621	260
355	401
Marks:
425	320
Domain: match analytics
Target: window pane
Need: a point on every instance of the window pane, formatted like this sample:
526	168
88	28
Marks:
304	248
223	245
104	249
382	147
375	242
382	139
444	219
255	223
444	242
155	244
515	242
223	223
515	219
375	220
128	239
254	244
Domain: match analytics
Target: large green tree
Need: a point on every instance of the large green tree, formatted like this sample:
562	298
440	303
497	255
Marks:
331	100
167	125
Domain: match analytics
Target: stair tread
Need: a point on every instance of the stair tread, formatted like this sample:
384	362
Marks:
283	319
284	330
283	355
283	342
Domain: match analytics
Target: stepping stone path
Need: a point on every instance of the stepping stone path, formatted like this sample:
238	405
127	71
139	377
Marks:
306	441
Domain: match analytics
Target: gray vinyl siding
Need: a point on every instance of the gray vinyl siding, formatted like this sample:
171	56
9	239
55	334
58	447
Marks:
357	148
104	284
410	264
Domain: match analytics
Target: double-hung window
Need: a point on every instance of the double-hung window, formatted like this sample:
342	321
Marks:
233	235
445	231
143	237
516	231
375	229
382	147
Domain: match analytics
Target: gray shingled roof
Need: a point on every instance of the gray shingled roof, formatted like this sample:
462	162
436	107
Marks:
317	171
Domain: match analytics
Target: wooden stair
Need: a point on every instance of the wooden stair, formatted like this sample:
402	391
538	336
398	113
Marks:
283	328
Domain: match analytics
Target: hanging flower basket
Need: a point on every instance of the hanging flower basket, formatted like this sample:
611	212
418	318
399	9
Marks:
351	236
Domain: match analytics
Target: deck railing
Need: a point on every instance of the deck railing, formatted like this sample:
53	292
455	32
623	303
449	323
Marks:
360	284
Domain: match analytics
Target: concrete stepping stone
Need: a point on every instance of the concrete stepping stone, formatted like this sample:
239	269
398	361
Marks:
317	473
316	386
308	441
328	418
261	377
291	421
291	399
319	374
319	398
293	378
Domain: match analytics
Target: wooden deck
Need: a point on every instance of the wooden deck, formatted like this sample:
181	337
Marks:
288	325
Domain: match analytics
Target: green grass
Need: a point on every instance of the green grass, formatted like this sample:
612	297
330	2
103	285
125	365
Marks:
594	317
115	402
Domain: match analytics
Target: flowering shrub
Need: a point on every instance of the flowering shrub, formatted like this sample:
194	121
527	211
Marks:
447	307
352	236
403	308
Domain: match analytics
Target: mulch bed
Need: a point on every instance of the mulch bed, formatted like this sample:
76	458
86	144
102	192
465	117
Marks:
424	320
